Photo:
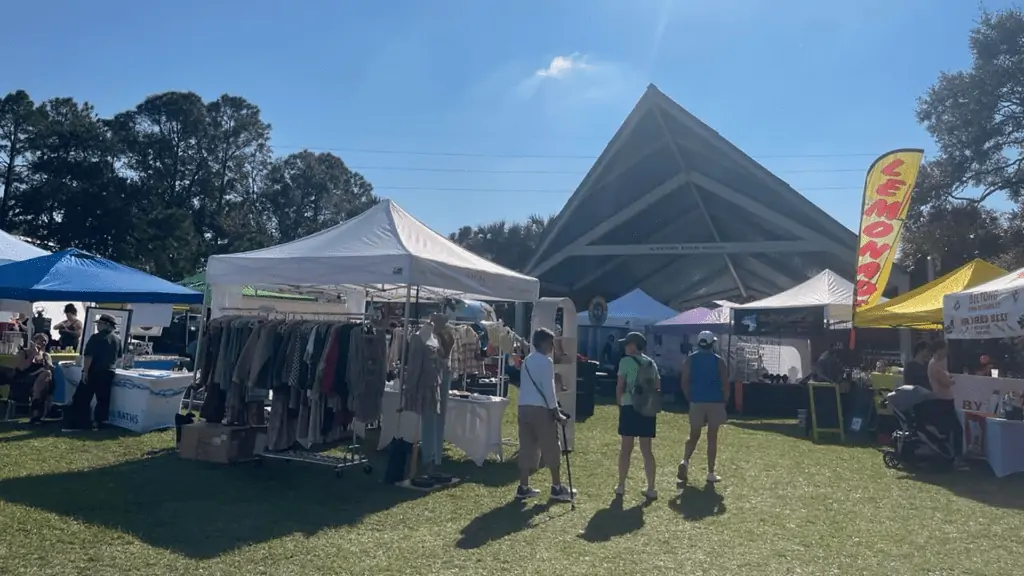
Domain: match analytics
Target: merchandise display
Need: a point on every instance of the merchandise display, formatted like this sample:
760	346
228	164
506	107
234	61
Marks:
317	375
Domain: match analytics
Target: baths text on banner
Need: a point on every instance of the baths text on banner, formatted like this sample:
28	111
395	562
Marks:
887	190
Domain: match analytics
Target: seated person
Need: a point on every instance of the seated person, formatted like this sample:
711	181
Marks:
70	329
33	377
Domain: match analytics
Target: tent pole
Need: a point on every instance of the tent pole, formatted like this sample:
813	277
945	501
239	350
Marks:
199	348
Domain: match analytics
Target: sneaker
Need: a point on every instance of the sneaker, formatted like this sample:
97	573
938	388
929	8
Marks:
713	478
651	494
619	491
681	472
563	494
524	492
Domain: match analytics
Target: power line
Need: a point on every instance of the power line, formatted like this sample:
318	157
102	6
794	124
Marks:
541	156
577	172
378	189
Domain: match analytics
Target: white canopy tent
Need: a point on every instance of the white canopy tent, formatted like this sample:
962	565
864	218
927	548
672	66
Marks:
14	249
827	289
994	309
382	246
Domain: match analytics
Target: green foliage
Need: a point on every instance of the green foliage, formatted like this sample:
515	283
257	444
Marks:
976	117
166	184
509	245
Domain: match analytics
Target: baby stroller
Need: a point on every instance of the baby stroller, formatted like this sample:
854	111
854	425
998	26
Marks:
922	435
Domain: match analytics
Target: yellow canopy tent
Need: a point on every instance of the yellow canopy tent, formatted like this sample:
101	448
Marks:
921	308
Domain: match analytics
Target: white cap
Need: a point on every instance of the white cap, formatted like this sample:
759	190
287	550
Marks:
706	338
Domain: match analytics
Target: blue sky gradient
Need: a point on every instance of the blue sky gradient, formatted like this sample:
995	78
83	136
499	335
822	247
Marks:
505	105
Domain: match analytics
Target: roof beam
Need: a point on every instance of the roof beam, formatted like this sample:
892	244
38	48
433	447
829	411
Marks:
613	263
781	281
702	248
610	224
582	191
741	158
766	213
700	202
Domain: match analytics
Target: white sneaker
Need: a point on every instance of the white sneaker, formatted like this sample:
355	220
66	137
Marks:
619	491
713	478
651	494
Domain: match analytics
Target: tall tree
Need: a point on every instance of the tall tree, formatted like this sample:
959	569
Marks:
238	149
308	192
73	195
17	118
976	117
509	245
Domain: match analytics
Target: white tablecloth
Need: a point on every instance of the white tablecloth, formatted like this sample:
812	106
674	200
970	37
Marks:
1002	440
473	425
140	400
1004	446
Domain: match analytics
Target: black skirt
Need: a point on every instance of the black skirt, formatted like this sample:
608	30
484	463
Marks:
635	424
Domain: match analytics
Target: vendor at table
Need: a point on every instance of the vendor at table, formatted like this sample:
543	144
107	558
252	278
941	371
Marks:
101	353
33	377
69	330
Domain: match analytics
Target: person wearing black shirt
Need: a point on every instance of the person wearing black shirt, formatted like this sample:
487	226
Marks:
608	355
101	353
915	373
829	367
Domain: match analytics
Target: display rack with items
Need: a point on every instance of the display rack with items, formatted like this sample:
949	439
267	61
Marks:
559	316
317	373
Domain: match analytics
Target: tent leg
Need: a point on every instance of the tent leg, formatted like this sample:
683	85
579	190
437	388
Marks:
196	362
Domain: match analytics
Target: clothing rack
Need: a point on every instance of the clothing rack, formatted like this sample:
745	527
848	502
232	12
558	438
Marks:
353	454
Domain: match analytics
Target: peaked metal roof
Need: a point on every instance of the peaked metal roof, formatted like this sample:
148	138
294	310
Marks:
672	208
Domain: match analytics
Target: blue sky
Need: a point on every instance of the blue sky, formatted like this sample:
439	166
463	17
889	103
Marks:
505	105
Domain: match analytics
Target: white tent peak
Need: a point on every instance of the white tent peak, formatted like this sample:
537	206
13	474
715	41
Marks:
14	249
383	245
826	289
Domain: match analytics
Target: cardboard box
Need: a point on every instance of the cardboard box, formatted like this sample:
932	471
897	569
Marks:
220	444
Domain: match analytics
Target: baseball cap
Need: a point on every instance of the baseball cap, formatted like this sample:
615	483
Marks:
706	338
635	338
108	319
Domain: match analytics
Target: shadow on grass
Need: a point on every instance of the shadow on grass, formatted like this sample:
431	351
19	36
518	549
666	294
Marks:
978	484
498	523
783	427
204	510
696	503
613	521
50	428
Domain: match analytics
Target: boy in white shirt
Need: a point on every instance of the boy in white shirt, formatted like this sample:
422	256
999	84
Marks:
539	418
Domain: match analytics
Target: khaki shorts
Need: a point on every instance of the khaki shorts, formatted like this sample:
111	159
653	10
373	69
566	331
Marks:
707	414
538	438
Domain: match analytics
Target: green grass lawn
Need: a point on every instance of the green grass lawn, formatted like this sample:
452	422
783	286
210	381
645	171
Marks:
123	504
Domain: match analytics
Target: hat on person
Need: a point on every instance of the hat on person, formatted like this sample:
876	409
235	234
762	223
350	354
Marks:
108	319
706	338
635	338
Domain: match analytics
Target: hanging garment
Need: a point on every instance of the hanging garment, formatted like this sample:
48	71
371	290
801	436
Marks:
421	382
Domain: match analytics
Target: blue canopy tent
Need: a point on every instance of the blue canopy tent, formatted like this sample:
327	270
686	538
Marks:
80	276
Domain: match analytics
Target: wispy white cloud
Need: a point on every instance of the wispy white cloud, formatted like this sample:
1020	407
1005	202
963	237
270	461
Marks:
560	68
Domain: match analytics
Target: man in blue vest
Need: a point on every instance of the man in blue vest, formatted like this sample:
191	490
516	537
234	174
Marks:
706	386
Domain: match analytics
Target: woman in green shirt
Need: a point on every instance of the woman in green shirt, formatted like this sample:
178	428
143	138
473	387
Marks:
633	424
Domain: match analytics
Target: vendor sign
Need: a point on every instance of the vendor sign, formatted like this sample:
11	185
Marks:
993	310
778	321
887	189
973	393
